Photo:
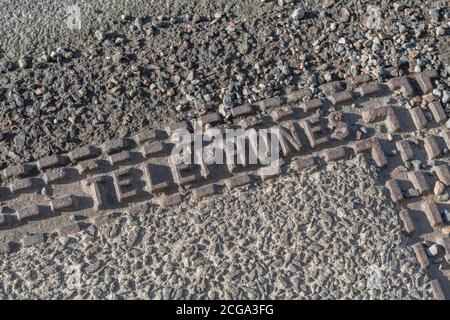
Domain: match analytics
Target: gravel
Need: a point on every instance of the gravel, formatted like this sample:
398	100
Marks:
131	72
290	238
135	64
298	14
27	26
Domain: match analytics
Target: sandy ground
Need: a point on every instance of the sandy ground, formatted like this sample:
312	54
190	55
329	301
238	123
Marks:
290	238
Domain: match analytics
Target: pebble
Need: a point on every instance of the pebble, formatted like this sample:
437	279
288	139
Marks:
446	216
430	163
432	250
328	3
439	188
333	26
119	41
344	14
39	91
417	164
44	191
342	41
412	192
445	96
59	52
443	197
440	31
100	35
20	102
298	14
139	23
68	54
24	63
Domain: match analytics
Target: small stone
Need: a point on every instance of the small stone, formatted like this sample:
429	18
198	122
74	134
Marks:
100	35
68	55
432	250
158	24
24	63
225	111
119	41
342	41
446	216
402	28
417	164
298	14
445	96
446	230
440	31
43	59
437	93
139	23
327	4
443	197
344	14
412	192
439	188
39	91
333	26
20	102
59	52
390	138
421	63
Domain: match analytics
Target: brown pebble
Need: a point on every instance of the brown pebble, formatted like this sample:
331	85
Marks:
39	91
439	188
446	230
